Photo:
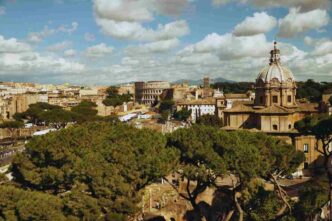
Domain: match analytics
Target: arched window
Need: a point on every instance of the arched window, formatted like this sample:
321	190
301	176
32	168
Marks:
275	127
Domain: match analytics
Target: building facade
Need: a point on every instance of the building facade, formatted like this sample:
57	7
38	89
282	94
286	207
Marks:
274	110
149	92
198	107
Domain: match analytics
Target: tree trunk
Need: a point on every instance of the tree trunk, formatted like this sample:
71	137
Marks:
281	211
229	215
328	168
330	198
238	206
282	194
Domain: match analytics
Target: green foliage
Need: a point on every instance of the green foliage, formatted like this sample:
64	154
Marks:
17	204
236	87
182	114
312	90
313	196
210	120
263	205
114	99
3	178
111	119
164	116
103	166
79	205
12	124
84	112
166	109
166	105
200	161
18	116
208	152
57	117
46	114
318	125
112	91
39	113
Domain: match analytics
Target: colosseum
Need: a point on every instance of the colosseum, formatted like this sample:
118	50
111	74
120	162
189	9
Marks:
149	92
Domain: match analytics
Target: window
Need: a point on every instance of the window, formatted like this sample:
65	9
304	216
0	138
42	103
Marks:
289	126
275	99
275	127
306	165
306	148
289	98
261	99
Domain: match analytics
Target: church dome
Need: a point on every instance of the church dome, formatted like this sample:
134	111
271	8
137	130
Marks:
275	70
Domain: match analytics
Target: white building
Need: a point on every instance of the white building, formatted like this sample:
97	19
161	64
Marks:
199	107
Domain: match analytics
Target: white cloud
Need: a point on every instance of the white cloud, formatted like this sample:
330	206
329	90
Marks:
35	63
261	22
59	46
12	45
137	11
228	46
308	40
323	48
89	37
122	10
135	31
160	46
296	22
68	29
303	5
170	7
123	19
36	37
18	59
314	42
69	53
97	51
129	61
198	58
154	47
2	10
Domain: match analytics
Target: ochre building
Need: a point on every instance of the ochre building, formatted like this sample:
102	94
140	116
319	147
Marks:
275	109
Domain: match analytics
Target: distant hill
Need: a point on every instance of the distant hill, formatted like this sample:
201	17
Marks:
200	81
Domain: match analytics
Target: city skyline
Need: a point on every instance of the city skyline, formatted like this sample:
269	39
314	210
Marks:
91	42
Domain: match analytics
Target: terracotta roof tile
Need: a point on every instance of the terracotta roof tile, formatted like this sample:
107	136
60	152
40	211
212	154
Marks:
199	101
241	108
275	109
307	107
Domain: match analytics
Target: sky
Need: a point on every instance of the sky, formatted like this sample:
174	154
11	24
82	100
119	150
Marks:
103	42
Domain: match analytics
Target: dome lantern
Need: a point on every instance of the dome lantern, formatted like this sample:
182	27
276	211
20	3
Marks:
275	71
275	84
275	55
